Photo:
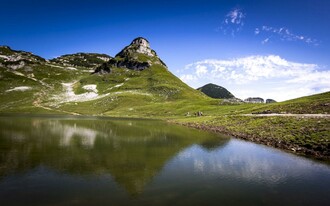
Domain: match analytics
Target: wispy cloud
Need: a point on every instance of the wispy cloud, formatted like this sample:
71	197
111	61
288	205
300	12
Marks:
266	76
283	34
233	22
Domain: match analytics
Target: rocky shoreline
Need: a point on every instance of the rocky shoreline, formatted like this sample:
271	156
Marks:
272	142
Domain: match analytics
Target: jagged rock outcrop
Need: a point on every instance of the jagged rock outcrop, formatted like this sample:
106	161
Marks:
233	100
216	91
254	100
139	45
13	59
137	56
102	69
268	101
89	60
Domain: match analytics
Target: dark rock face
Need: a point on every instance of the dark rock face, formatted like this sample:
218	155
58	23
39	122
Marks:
268	101
102	69
254	100
129	64
215	91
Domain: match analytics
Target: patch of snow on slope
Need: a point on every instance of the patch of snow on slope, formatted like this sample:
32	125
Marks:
70	96
119	85
22	89
90	87
4	57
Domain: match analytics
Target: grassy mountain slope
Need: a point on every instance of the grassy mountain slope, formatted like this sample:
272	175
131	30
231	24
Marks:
314	104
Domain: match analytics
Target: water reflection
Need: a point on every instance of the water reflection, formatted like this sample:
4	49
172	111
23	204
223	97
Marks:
132	152
85	161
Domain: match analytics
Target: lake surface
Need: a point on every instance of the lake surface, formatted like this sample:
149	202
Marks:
102	161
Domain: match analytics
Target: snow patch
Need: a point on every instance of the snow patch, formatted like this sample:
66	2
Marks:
4	57
18	73
88	71
90	87
119	85
21	89
70	96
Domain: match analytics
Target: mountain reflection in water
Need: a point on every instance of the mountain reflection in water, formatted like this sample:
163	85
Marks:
132	152
102	161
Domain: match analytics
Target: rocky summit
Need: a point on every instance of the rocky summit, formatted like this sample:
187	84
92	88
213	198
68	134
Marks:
136	56
139	45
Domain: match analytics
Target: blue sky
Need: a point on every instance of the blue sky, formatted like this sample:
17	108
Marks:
272	49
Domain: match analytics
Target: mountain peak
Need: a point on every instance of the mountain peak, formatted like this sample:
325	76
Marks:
139	45
142	46
141	41
136	56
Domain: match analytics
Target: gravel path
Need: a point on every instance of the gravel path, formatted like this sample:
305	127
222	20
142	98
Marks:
290	115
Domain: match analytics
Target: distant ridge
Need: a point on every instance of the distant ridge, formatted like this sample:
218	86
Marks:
81	59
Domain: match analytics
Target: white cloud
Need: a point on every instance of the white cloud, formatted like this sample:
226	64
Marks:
201	70
235	16
265	41
282	34
188	77
265	76
233	22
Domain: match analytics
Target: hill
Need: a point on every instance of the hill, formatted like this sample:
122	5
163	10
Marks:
216	91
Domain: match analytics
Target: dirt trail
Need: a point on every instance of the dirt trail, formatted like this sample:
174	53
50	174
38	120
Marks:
290	115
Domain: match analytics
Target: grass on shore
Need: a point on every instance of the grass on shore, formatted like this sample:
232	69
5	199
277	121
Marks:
310	136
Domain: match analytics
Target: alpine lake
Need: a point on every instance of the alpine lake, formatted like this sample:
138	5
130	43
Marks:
68	160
